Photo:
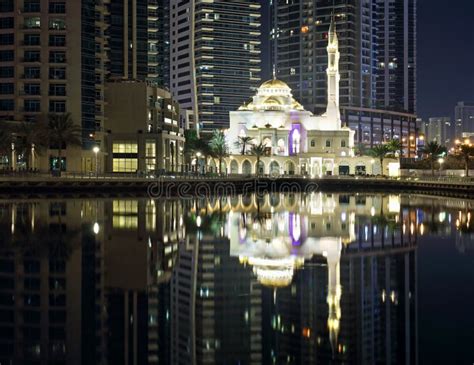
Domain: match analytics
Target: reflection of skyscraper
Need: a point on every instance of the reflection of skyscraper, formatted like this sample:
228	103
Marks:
212	294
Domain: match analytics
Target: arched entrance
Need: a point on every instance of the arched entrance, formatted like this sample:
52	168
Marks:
274	168
344	169
234	167
246	167
260	168
360	170
223	167
212	166
290	168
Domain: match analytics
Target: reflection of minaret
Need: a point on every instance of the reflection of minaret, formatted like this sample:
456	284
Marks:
333	75
334	298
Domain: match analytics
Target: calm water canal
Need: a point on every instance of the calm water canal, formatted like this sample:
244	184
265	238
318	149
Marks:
277	279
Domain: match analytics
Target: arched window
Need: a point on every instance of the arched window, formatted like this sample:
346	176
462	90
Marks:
281	146
296	141
328	143
313	143
343	143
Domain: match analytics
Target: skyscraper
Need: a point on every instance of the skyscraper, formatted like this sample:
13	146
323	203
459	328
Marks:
464	117
139	40
215	57
439	129
128	39
377	44
52	57
396	55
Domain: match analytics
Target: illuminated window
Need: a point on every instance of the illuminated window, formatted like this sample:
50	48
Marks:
125	147
150	149
296	141
125	165
125	157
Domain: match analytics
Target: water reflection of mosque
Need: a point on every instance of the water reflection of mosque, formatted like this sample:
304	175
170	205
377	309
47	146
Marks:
288	230
155	280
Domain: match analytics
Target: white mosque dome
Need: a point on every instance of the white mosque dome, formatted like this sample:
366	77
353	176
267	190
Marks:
273	95
274	84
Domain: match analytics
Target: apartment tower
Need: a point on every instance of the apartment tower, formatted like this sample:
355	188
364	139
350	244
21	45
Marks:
215	57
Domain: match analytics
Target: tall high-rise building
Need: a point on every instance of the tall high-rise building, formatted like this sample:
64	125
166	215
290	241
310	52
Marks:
128	39
396	55
52	57
215	57
139	40
377	45
464	117
439	129
159	42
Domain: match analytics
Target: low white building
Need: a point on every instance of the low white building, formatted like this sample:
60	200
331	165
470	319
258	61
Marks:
296	141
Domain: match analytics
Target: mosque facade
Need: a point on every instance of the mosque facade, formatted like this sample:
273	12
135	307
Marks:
296	141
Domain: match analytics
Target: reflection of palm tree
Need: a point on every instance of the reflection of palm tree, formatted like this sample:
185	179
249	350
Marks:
45	241
384	220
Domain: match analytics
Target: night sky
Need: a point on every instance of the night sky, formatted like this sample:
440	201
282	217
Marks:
445	55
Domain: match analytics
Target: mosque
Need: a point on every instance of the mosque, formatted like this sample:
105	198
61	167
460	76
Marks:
295	140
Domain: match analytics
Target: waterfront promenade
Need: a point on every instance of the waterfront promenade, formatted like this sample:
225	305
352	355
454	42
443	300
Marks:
71	183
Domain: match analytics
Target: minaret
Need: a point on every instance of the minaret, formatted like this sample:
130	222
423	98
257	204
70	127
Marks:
332	72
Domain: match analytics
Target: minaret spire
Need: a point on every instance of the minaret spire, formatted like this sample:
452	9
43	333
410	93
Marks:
333	75
274	72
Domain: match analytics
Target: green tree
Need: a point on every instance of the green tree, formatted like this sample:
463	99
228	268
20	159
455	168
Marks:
396	146
5	141
466	151
380	152
434	150
218	147
360	149
61	131
243	142
258	151
29	136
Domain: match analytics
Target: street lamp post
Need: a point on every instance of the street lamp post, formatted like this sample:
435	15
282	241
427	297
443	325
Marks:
198	157
13	164
440	161
96	151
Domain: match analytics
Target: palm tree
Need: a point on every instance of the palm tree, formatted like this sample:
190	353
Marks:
218	147
5	141
434	150
396	146
61	131
466	151
243	142
360	149
29	138
258	151
380	151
